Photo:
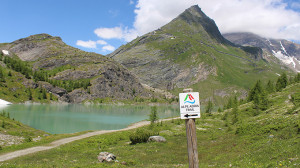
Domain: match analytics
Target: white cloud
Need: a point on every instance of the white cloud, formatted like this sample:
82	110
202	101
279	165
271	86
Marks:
108	48
93	44
152	14
268	18
116	33
131	2
109	33
86	44
101	42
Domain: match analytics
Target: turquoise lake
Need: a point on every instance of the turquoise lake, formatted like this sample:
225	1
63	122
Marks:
58	119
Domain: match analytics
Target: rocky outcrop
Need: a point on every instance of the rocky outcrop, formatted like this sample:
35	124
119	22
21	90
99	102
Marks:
78	96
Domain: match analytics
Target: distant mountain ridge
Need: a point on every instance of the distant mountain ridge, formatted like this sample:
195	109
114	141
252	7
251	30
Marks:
54	63
288	52
189	51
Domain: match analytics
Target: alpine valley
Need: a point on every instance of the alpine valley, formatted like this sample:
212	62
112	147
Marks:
189	51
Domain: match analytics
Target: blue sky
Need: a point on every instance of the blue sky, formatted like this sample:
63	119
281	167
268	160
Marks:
102	26
72	20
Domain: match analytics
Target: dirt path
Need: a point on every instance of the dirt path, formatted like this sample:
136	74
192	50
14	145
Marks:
57	143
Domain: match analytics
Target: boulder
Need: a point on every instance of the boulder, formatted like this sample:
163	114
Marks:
106	157
156	139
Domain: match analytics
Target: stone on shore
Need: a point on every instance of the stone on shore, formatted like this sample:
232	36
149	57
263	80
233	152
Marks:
156	139
106	157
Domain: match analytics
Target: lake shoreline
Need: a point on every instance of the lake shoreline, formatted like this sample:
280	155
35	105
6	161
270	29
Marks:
71	118
57	143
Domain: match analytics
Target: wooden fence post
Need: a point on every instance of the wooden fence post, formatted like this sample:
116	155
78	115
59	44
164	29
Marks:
191	139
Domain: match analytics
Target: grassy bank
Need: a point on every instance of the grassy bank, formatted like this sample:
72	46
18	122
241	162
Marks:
24	135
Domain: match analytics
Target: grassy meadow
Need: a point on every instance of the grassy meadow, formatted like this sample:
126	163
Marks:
269	138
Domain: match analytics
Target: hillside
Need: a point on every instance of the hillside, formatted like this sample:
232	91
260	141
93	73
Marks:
286	51
266	139
191	52
42	63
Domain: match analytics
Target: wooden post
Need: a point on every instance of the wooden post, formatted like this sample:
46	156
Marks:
191	139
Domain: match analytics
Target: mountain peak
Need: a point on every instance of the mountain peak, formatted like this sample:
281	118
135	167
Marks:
193	14
37	37
196	18
195	10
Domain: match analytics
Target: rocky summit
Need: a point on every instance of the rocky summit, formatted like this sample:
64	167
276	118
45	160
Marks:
74	76
286	51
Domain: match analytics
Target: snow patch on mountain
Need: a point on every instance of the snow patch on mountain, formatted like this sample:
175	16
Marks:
286	59
270	42
5	52
283	49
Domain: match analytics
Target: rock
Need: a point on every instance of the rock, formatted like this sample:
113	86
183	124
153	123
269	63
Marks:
156	139
106	157
78	96
57	91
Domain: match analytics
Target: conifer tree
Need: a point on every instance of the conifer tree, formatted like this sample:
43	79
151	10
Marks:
270	87
235	101
2	78
29	94
235	114
153	115
209	107
51	96
229	103
255	91
282	82
264	102
44	94
297	78
259	97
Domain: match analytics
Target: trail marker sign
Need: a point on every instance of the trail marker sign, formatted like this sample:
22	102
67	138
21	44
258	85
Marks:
189	105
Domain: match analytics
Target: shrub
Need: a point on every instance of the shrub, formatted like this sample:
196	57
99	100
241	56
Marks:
28	139
3	124
153	117
141	135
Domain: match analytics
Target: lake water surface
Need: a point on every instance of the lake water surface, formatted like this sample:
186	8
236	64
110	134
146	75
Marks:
58	119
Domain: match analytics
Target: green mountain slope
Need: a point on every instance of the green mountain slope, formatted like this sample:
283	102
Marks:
45	63
190	52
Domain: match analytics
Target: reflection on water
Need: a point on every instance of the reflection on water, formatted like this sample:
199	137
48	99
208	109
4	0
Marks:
75	117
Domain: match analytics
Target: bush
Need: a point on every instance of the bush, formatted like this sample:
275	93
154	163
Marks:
153	117
141	135
28	139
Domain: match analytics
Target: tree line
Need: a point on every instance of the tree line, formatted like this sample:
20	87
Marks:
41	75
258	94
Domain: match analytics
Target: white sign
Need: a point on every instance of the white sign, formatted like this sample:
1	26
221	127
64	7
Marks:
189	105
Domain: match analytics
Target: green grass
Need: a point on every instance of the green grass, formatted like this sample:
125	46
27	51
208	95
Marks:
270	139
14	90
